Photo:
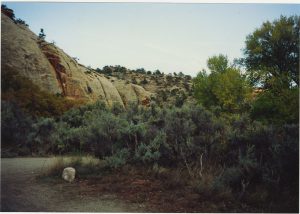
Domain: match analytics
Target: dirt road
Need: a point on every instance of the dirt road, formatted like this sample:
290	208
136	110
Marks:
22	191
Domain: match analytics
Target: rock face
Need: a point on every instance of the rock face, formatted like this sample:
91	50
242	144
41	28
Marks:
77	81
20	52
54	71
131	93
69	174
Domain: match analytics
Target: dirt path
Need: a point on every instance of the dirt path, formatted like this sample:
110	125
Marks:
21	191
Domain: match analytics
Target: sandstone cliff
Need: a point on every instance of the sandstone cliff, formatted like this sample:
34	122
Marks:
20	52
54	71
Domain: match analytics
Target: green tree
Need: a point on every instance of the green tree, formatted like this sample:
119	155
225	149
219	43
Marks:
141	70
231	90
180	74
218	63
107	70
7	11
278	105
157	72
203	89
272	61
42	35
273	51
120	69
225	86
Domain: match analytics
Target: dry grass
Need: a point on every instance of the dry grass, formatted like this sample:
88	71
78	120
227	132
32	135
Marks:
56	167
84	165
161	189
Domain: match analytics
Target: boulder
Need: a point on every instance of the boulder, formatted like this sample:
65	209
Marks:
68	174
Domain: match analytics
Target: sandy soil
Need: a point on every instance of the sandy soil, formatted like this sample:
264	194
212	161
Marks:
22	191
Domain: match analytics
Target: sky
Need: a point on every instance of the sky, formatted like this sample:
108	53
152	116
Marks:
164	36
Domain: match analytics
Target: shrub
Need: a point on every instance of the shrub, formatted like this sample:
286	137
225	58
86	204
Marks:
103	131
169	78
107	70
162	94
204	187
22	22
174	179
7	11
277	106
15	125
118	159
117	108
179	128
231	177
141	70
144	81
41	138
157	72
133	81
159	171
84	165
145	154
74	117
151	153
55	169
180	99
134	134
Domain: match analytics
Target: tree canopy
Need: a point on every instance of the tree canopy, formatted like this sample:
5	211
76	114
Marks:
217	63
42	35
225	86
272	62
272	51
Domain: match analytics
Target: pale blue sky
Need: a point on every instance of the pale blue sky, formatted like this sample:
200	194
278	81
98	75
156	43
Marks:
168	37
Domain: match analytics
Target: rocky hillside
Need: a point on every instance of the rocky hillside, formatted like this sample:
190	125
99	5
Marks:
54	71
164	89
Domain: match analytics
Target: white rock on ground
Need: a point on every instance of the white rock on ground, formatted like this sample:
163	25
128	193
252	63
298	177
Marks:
68	174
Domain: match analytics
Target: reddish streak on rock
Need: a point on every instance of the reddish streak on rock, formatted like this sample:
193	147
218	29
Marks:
146	102
59	69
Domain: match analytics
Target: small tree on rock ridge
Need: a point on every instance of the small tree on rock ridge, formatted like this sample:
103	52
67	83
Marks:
42	35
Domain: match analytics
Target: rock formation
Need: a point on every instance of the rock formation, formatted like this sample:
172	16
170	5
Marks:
56	72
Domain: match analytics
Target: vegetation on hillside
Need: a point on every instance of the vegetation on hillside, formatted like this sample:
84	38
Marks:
20	91
229	145
171	89
230	155
10	13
